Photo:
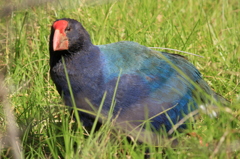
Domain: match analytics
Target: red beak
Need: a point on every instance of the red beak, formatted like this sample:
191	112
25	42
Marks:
60	41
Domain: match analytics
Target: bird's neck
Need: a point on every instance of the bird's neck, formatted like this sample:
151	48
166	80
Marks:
84	71
84	46
78	51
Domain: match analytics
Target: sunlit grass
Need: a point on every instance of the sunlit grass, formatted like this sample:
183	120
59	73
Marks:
207	28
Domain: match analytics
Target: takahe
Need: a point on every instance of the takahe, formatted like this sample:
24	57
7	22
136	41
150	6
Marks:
158	86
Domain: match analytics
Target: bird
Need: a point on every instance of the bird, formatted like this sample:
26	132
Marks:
144	84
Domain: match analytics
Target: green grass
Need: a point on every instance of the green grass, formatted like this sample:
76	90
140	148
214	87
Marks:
207	28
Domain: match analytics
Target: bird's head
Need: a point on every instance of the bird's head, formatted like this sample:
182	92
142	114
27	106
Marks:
68	34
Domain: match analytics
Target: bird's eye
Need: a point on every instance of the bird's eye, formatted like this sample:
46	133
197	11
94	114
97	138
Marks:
68	29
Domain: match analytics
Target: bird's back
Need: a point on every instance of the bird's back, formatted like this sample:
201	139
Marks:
150	81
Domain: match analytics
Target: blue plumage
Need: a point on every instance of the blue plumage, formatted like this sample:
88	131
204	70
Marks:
152	84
